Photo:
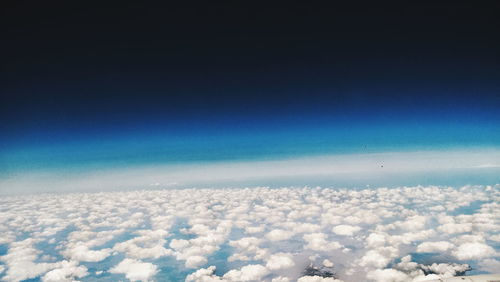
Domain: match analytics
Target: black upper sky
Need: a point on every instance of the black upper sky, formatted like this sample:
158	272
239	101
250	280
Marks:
77	65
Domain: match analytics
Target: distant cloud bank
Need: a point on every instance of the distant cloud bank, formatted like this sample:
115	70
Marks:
391	169
252	234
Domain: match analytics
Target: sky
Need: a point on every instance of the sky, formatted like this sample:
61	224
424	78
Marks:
132	85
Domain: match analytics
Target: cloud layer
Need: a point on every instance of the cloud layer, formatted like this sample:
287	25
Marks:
391	169
252	234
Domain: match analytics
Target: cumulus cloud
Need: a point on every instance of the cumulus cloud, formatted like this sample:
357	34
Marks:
490	265
135	270
81	252
346	230
280	261
68	271
279	235
148	245
445	269
252	272
204	275
379	258
388	275
195	261
252	234
317	279
319	242
20	261
475	250
434	247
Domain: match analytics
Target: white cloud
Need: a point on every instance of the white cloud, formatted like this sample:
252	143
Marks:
434	247
375	240
452	228
318	242
469	251
280	261
135	270
252	272
317	279
377	258
148	245
20	261
346	230
490	265
279	235
68	271
80	252
195	261
388	275
203	275
280	279
327	263
179	244
445	269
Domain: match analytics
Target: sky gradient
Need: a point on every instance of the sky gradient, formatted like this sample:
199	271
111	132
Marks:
83	89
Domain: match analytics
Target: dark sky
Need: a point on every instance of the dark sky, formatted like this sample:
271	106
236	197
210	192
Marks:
75	67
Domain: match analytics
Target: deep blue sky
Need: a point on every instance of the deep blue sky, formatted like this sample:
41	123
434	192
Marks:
85	84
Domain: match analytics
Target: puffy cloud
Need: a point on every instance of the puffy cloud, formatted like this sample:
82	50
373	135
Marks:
452	228
279	235
375	240
203	275
280	261
135	270
318	242
490	265
317	279
412	223
377	258
388	275
247	248
179	244
495	238
148	245
434	247
252	272
195	261
20	261
407	264
68	271
407	270
81	252
346	230
470	251
327	263
254	229
280	279
445	269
